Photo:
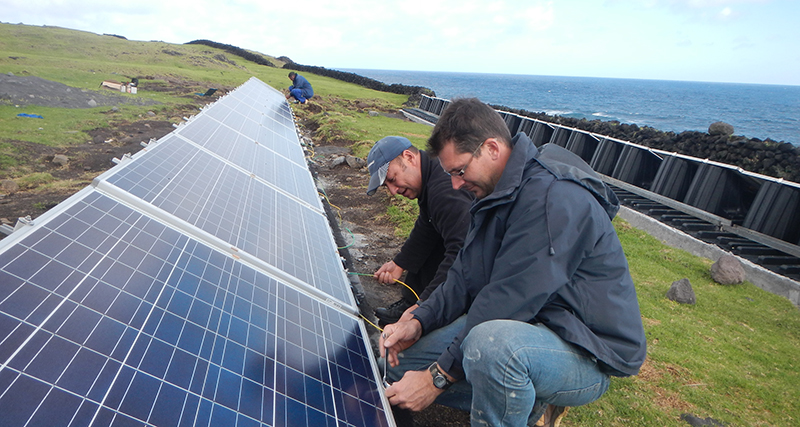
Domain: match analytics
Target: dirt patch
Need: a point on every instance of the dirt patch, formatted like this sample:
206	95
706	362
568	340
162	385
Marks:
84	161
31	90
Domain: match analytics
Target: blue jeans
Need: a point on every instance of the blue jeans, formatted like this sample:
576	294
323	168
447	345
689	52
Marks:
298	95
513	370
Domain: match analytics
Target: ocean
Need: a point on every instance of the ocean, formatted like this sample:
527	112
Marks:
755	111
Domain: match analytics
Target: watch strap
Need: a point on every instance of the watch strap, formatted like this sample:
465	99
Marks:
440	381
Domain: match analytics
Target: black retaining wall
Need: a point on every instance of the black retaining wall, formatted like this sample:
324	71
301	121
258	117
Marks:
767	157
662	163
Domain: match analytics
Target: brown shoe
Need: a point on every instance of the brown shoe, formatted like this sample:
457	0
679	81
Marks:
552	416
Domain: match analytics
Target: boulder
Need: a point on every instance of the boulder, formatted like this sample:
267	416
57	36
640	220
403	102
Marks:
696	421
337	161
720	128
681	291
60	160
9	186
728	270
355	162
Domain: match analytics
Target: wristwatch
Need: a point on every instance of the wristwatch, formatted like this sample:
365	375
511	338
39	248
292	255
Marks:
439	380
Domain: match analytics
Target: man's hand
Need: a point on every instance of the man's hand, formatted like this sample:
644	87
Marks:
388	273
408	314
398	337
415	391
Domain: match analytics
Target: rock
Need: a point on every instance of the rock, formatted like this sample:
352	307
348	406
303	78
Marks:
337	161
361	105
60	159
728	271
355	162
720	128
151	114
681	291
374	114
9	186
695	421
92	103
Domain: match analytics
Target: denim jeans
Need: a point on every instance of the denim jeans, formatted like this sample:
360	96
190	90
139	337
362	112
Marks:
513	370
298	95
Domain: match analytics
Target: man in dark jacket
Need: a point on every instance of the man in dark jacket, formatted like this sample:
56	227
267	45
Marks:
439	230
539	307
300	89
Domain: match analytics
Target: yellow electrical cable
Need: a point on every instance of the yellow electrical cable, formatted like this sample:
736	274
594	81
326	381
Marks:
374	325
409	288
338	209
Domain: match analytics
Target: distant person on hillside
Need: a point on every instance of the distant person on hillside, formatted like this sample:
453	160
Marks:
538	309
438	232
300	89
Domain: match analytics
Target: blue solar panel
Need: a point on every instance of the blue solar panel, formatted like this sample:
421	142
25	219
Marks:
109	317
197	284
238	209
259	114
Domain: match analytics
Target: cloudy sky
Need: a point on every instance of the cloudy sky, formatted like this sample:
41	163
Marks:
742	41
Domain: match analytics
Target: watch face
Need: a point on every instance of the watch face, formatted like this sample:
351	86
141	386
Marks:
439	380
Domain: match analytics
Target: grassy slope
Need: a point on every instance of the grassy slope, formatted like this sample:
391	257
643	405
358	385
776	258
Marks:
733	356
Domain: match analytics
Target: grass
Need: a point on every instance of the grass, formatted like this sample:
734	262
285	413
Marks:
731	357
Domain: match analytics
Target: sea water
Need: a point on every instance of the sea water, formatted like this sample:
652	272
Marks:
755	111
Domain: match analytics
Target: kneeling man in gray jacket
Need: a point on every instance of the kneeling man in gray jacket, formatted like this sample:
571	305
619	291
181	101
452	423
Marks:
538	309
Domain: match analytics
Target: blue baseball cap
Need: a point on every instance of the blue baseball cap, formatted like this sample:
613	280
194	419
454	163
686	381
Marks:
383	152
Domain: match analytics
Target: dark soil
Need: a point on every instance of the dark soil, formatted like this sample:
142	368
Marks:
362	219
31	90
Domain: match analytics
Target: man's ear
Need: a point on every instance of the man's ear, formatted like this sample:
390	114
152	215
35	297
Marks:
492	148
410	157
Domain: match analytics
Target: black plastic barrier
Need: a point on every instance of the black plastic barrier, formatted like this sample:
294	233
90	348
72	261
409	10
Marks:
750	215
560	136
606	156
512	121
582	144
674	177
722	191
525	126
541	133
776	212
439	105
637	166
425	103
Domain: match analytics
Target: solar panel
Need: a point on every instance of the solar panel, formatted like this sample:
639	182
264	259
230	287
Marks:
181	290
231	205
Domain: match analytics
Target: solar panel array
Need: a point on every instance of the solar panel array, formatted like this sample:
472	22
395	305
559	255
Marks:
196	284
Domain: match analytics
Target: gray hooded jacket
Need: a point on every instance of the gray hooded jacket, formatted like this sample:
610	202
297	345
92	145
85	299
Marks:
541	249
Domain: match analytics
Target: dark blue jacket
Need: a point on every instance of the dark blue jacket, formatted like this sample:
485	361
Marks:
301	83
541	249
439	231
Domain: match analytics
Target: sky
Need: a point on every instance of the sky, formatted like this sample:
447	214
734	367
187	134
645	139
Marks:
737	41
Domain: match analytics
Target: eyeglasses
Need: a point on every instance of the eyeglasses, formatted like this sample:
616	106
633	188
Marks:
464	169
